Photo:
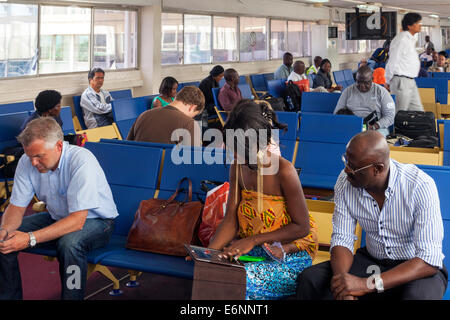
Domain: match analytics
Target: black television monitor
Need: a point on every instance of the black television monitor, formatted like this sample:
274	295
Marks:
362	26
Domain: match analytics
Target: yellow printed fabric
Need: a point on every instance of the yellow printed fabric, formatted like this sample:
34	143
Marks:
273	216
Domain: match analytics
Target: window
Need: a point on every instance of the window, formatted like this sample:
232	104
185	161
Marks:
197	39
225	39
425	31
65	34
171	38
189	39
18	39
295	37
346	46
307	32
278	38
253	39
363	46
115	40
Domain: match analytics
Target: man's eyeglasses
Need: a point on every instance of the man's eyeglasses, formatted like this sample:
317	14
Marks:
345	161
367	83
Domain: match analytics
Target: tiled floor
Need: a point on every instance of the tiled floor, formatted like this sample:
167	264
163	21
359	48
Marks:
40	281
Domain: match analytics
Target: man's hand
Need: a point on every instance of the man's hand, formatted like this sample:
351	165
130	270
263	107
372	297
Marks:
345	286
16	241
376	126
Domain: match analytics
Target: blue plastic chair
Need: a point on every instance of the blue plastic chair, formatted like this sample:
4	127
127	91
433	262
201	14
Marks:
322	102
258	82
126	111
323	139
16	107
277	87
185	84
338	76
246	91
79	111
445	75
66	117
121	94
440	85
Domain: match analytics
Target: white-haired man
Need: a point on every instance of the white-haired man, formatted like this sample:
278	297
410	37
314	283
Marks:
81	209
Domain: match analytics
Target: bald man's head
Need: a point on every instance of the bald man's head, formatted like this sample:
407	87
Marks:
367	149
369	145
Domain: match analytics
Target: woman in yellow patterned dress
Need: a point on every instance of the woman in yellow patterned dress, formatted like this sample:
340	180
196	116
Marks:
266	206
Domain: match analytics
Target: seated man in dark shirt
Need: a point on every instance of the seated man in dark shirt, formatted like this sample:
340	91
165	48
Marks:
47	104
380	56
230	94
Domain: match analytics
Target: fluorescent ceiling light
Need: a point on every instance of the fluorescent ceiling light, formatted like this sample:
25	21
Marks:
318	1
434	16
368	7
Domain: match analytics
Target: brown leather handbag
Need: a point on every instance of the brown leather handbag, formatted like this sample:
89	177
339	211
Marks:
165	226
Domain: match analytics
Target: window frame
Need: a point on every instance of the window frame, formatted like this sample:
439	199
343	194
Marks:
91	44
238	36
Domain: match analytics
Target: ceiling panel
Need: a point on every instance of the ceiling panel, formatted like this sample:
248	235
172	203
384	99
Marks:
440	7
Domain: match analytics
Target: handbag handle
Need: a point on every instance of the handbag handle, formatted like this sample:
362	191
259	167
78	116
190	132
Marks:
178	189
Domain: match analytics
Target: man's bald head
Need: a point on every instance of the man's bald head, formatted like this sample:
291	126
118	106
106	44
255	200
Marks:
369	146
367	161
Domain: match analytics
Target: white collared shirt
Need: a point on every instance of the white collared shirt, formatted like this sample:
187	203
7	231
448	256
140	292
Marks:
78	183
403	58
408	225
296	77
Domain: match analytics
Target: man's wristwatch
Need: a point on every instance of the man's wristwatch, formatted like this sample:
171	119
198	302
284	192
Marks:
32	241
379	283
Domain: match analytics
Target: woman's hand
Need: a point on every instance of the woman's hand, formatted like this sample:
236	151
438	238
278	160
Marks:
239	247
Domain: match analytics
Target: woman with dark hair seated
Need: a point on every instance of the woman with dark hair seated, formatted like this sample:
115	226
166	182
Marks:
266	207
167	90
323	78
211	81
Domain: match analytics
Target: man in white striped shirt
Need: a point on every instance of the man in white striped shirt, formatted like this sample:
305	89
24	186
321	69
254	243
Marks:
397	205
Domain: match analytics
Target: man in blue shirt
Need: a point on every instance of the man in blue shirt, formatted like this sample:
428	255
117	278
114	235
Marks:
397	205
81	209
286	68
380	56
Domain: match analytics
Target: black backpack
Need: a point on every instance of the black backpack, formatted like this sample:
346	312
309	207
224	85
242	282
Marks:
415	123
293	97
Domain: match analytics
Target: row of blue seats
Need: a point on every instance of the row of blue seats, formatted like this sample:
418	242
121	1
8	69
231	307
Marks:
439	84
29	105
133	171
138	180
10	127
445	75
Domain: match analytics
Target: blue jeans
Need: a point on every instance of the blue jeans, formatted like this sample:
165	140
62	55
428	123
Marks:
72	250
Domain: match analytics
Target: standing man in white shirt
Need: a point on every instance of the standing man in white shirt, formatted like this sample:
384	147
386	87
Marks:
404	65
